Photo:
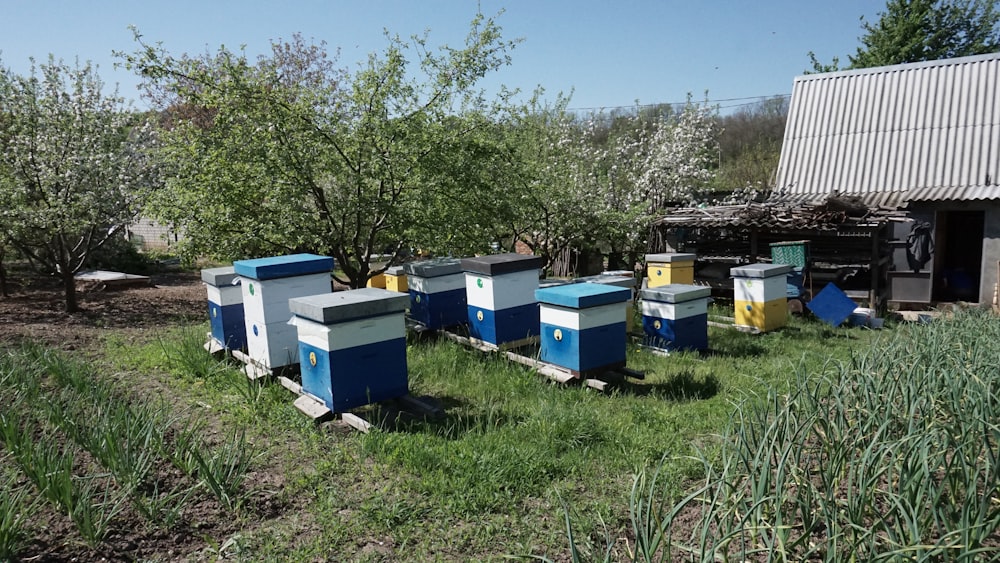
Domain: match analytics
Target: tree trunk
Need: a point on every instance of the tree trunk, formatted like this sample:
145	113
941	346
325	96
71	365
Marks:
69	285
633	260
3	276
360	279
616	261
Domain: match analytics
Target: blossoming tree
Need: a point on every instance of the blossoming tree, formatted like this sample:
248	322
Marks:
72	174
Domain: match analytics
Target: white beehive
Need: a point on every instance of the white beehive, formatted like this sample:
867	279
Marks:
267	285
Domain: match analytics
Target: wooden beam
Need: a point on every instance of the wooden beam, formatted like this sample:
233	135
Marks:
874	269
312	408
290	385
356	422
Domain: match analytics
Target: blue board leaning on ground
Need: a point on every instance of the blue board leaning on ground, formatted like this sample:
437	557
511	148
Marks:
831	305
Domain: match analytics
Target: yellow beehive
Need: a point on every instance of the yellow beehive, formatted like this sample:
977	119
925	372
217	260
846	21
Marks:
395	279
376	281
766	316
760	296
671	268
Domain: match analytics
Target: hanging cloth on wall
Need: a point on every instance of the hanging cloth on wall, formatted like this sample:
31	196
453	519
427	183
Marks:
919	245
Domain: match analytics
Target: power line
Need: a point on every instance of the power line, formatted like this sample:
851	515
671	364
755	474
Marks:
720	100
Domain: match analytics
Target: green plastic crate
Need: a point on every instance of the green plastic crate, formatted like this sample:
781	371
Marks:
794	253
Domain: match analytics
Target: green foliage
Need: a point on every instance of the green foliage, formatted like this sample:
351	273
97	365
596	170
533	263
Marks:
15	506
224	469
750	145
910	31
90	503
120	255
62	416
72	168
291	153
594	183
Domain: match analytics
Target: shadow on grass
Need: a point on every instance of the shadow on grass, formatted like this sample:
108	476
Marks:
815	331
735	346
682	387
456	418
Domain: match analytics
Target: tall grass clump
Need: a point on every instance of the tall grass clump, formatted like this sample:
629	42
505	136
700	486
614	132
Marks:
893	455
15	506
128	438
224	469
89	501
185	354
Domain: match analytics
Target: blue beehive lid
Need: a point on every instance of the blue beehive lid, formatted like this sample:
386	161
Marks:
395	271
582	295
219	277
434	268
283	266
760	270
496	264
330	308
675	293
670	257
832	305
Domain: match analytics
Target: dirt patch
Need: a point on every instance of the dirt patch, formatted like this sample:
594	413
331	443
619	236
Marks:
35	309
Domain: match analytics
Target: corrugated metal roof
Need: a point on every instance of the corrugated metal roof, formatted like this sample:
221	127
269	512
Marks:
929	130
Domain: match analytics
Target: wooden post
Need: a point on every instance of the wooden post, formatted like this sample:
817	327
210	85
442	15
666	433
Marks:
996	291
875	268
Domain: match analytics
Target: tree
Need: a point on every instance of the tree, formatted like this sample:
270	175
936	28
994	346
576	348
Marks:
4	292
552	182
594	185
291	153
72	170
680	159
910	31
750	145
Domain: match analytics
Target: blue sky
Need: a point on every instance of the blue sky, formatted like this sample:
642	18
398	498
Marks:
608	53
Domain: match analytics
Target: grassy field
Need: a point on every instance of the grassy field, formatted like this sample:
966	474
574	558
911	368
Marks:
514	457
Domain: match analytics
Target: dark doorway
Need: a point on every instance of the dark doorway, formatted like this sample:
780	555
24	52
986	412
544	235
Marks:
959	255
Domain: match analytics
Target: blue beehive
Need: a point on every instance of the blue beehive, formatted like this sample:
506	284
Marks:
352	346
583	326
675	316
225	307
267	285
500	290
612	278
437	292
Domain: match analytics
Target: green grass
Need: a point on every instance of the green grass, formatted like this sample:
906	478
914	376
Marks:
892	455
91	451
15	506
494	476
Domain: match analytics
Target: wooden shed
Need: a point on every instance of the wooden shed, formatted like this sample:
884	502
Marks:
920	138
